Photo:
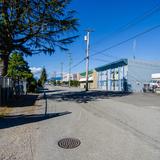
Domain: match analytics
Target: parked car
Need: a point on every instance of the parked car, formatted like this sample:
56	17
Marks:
154	84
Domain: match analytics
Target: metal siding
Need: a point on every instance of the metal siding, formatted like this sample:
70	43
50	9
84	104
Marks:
102	80
139	72
107	82
131	77
119	78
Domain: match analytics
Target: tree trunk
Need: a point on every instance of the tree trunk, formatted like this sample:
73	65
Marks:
5	60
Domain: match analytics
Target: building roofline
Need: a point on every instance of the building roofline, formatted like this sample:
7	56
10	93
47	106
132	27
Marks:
84	73
112	65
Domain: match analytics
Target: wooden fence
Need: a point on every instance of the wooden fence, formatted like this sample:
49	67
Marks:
10	87
6	90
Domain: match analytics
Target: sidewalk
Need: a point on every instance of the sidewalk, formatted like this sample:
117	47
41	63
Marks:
16	128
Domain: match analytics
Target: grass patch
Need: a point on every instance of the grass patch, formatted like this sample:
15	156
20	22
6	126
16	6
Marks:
4	111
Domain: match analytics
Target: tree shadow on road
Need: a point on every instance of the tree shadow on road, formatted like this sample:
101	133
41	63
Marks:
85	97
16	120
50	91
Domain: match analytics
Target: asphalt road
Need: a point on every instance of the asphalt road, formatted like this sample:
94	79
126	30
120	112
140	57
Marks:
122	127
109	126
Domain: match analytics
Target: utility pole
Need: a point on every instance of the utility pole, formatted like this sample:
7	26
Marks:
87	39
134	48
70	62
54	74
62	71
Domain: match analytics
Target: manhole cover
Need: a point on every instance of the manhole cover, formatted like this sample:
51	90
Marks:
69	143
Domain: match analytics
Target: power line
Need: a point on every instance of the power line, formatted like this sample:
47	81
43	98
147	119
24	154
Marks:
116	45
155	2
140	18
101	60
135	21
77	64
125	27
125	41
109	55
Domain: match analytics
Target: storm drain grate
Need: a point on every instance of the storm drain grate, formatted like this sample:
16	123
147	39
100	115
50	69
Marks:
69	143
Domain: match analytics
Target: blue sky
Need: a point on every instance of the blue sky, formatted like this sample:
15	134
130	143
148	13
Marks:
105	17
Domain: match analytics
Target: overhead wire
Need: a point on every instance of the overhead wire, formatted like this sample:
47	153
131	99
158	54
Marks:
109	55
134	21
102	60
117	44
123	28
78	63
125	41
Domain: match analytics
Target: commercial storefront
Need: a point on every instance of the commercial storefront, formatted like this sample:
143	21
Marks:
111	77
125	75
92	79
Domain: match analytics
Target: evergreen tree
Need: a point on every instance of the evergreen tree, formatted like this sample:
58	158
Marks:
18	67
35	26
43	77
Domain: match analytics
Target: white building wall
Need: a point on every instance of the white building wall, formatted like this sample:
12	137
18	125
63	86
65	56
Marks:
66	77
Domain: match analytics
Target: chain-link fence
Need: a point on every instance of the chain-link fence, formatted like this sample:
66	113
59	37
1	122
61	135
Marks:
10	87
